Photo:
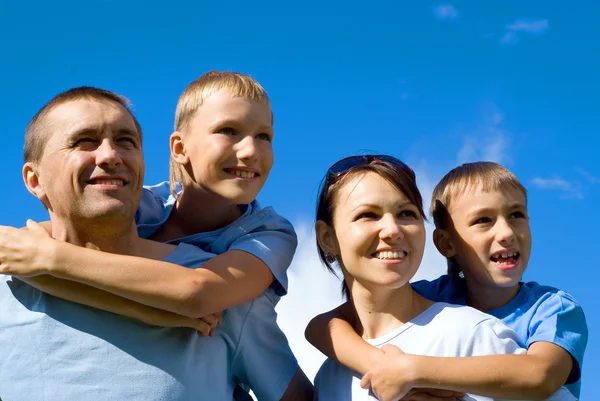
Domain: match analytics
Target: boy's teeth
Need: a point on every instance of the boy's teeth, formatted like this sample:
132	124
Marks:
244	174
390	255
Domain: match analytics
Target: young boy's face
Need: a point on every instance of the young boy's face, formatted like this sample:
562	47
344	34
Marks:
228	142
491	236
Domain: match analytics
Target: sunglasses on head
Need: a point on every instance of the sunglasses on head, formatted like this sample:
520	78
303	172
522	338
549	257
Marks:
342	166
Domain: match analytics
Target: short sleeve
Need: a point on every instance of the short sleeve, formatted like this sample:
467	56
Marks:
263	359
154	208
491	337
560	320
272	240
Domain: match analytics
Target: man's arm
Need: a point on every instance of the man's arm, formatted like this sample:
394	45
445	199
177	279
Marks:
95	298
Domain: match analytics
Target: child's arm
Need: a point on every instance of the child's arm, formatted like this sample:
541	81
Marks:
95	298
333	334
533	376
536	375
225	280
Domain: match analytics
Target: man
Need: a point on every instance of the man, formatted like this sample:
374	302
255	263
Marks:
83	160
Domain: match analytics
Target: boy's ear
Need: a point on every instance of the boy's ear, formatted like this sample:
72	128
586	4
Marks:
443	242
326	238
31	179
178	150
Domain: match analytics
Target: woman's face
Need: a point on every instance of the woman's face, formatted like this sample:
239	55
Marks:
380	234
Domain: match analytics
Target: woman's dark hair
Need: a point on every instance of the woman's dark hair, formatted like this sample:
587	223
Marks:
329	189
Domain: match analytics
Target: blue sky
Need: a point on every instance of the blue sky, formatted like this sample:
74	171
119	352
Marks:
435	84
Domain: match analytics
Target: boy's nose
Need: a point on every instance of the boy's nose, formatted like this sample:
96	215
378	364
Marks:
506	234
247	149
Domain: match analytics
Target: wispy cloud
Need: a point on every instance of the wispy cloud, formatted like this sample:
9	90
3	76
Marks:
588	176
488	142
533	27
445	12
568	189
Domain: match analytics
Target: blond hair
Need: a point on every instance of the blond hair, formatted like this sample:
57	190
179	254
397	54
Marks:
37	132
194	95
488	176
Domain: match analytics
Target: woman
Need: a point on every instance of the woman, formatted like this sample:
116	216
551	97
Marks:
370	223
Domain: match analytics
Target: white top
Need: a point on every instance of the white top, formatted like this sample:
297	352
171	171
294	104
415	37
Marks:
442	330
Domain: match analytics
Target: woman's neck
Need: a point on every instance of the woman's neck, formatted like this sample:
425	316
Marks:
381	311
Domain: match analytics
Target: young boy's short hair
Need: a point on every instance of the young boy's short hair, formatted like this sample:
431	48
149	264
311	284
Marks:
489	176
236	84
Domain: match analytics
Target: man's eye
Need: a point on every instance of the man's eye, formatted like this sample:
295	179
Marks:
84	141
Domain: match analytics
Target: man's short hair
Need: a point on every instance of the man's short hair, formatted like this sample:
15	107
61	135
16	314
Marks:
37	132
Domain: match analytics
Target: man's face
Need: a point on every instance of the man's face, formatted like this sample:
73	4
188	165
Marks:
92	165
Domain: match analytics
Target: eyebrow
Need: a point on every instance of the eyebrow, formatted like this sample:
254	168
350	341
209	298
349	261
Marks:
375	206
512	206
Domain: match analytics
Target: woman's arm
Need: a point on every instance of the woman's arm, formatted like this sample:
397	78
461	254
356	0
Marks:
224	281
95	298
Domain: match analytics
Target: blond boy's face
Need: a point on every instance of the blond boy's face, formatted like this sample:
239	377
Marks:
229	144
491	236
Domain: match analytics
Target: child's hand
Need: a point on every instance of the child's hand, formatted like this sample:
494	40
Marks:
25	253
393	378
208	324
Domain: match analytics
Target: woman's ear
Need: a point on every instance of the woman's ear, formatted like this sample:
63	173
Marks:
326	238
443	242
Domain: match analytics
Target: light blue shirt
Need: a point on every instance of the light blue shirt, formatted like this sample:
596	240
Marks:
259	231
54	350
537	313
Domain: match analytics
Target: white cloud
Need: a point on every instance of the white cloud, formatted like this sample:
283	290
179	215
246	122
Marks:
445	12
569	190
588	176
535	26
529	26
488	142
509	38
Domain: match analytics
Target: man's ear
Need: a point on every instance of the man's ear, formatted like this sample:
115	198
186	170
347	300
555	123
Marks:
178	150
31	179
326	238
443	242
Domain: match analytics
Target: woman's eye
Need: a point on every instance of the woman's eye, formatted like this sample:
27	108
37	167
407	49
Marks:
408	213
366	215
227	131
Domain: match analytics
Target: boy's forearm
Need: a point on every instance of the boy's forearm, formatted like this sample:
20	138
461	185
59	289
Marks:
189	292
510	377
95	298
335	337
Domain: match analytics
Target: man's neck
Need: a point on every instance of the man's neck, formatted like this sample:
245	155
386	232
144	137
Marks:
114	238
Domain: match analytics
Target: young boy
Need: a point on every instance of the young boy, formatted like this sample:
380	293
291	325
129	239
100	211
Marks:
482	228
221	156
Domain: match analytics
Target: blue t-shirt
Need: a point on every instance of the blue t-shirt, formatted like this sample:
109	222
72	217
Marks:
53	349
537	313
259	231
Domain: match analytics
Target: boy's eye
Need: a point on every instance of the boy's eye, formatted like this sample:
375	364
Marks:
518	215
264	137
227	131
482	220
